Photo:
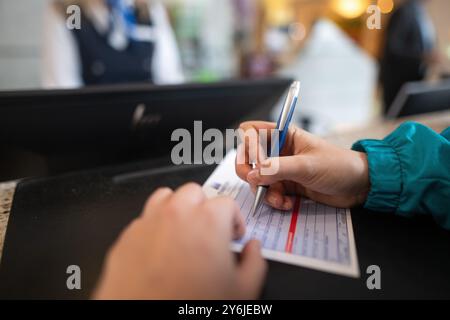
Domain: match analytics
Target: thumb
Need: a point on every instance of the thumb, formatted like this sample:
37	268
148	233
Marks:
251	271
293	168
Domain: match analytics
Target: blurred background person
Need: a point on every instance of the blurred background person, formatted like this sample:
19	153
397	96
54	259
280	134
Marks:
120	41
326	44
410	49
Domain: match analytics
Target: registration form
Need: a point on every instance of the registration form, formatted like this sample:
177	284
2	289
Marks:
312	235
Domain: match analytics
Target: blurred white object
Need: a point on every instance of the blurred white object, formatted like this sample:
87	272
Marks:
216	38
338	80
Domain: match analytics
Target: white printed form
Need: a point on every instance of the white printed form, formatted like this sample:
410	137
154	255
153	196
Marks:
312	235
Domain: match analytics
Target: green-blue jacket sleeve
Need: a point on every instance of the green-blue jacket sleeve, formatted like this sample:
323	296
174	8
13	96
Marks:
409	172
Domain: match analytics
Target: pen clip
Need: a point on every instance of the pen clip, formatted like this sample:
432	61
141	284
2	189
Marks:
285	117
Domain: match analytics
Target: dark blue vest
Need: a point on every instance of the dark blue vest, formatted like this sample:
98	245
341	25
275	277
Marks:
102	64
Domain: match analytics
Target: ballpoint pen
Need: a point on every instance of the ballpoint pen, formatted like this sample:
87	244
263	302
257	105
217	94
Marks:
282	129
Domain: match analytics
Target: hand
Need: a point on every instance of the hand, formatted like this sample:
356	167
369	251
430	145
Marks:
179	249
308	166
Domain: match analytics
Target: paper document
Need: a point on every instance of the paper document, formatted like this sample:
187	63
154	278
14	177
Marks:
312	235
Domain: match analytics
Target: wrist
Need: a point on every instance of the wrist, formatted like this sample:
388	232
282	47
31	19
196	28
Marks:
362	186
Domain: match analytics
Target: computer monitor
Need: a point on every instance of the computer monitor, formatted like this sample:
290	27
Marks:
136	120
421	97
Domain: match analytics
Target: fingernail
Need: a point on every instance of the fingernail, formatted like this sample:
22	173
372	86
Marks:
287	205
273	200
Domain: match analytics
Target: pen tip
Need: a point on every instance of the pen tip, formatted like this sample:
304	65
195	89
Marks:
253	211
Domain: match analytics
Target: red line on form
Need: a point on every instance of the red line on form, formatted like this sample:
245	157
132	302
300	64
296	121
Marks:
293	226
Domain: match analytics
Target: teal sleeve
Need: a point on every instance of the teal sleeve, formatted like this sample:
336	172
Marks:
409	172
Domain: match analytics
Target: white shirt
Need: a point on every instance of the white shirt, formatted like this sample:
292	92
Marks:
61	63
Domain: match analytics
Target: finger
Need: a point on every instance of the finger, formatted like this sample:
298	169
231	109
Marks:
250	150
227	217
296	137
257	125
242	163
299	169
256	137
274	195
160	196
277	197
190	194
251	271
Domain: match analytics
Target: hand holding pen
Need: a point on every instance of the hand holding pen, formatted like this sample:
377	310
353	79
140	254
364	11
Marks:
280	134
